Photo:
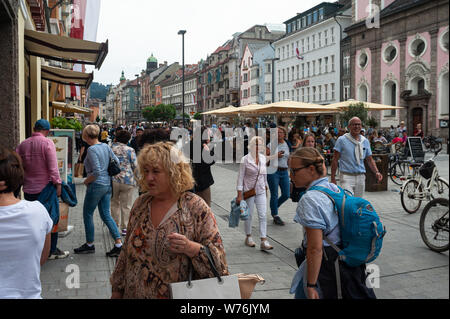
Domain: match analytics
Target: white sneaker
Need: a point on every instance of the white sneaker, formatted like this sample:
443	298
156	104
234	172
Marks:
265	245
249	242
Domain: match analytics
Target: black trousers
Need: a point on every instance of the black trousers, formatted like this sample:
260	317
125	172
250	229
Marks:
353	279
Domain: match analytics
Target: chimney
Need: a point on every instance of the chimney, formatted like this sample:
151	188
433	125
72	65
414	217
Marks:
165	63
161	65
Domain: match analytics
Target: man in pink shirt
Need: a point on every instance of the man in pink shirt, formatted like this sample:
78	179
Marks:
40	164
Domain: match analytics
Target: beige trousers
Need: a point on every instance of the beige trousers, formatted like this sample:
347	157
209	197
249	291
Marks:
121	203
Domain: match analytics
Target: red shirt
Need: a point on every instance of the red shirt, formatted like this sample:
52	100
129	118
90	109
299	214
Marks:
39	162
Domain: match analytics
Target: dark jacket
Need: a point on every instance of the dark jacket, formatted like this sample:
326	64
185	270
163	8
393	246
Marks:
201	171
49	199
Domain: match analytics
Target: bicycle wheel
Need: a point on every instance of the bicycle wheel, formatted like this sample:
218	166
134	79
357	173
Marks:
439	188
434	225
408	196
400	172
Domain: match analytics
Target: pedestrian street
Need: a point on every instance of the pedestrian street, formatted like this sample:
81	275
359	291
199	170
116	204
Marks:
408	269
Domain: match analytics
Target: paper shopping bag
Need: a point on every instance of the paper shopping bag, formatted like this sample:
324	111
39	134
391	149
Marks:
63	218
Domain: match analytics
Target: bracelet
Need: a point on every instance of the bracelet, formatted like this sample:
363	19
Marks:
308	285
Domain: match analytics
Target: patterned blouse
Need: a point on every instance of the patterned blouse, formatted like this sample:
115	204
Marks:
146	266
128	164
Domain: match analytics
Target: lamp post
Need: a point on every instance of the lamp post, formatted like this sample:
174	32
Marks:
182	32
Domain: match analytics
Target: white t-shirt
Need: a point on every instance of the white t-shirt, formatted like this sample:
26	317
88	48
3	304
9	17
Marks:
23	227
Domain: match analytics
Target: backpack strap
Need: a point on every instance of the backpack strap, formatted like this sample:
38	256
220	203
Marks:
327	192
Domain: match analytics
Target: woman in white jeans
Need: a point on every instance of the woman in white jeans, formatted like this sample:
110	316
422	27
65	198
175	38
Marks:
253	176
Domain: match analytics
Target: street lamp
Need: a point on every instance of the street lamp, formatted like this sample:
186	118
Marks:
182	32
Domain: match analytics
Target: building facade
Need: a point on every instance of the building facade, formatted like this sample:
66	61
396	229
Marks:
308	64
403	62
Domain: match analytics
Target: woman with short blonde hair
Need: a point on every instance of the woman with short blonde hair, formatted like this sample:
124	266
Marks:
169	227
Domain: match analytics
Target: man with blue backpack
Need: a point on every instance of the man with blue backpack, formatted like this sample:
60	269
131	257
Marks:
342	234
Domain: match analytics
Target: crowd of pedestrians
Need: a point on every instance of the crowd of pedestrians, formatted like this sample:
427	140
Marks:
172	217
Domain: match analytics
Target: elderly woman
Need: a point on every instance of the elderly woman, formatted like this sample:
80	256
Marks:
168	226
253	176
98	191
316	213
25	229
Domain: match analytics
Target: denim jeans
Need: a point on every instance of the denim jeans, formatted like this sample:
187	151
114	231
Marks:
281	179
98	195
54	236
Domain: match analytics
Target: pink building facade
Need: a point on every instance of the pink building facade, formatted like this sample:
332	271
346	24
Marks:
246	64
403	62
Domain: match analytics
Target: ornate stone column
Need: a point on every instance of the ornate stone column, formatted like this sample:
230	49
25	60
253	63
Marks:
432	109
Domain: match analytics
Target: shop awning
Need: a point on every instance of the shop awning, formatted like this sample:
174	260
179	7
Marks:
70	108
65	49
67	77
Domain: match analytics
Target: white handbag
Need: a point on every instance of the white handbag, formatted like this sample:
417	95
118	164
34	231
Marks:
218	287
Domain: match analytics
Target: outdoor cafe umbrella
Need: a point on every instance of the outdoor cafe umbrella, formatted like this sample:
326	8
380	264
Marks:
368	105
223	111
290	107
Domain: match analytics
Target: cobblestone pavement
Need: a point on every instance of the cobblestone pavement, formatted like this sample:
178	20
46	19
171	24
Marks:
408	269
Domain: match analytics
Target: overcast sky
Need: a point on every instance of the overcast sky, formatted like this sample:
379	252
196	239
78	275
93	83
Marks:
137	28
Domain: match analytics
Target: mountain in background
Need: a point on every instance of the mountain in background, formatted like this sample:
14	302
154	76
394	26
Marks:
98	91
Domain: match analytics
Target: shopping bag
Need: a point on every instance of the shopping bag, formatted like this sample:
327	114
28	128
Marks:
218	287
247	283
63	218
79	167
227	287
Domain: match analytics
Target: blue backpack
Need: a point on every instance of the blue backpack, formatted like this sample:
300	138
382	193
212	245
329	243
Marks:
361	229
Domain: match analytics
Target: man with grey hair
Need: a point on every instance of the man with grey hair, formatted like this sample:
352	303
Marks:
350	151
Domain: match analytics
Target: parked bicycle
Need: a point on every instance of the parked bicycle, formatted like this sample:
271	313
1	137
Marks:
427	185
434	225
398	168
432	143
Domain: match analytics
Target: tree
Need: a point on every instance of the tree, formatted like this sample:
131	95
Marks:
104	120
358	110
197	116
97	119
161	112
371	121
148	114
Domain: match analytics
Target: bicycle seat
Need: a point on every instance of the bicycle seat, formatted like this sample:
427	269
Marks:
415	164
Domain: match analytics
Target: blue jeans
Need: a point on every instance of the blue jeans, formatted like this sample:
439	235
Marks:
98	195
53	236
281	179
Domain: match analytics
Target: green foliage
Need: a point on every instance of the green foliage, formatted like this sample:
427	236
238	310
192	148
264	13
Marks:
159	113
197	116
371	121
98	91
97	119
353	110
104	120
63	123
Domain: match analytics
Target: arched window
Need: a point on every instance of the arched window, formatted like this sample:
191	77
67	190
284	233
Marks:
362	93
417	86
390	96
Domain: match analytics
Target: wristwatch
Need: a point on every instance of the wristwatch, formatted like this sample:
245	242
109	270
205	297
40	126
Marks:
308	285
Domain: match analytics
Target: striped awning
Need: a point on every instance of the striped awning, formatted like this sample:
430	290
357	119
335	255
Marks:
70	108
65	49
67	77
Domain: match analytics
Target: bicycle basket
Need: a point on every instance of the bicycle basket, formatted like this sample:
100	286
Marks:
426	170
